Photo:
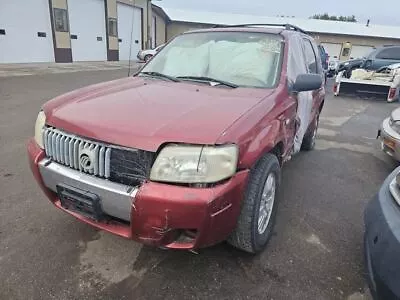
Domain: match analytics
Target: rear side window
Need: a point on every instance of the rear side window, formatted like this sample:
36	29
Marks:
311	59
390	53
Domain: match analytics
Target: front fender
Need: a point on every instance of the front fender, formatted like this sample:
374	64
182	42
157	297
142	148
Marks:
262	140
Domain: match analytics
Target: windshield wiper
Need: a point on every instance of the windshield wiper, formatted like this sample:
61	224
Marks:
160	75
209	79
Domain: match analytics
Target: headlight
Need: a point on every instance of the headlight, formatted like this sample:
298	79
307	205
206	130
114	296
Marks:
195	164
40	121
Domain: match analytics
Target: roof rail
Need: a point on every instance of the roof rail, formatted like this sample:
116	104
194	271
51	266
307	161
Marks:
286	26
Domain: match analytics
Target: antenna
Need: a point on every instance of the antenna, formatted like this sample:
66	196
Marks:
130	42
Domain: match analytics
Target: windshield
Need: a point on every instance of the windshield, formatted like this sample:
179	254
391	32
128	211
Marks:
243	59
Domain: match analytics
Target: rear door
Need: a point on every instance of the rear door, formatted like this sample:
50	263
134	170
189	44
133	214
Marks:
314	67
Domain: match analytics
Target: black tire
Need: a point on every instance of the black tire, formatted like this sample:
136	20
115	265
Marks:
308	143
246	235
148	57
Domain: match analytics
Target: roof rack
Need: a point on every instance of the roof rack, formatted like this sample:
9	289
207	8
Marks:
286	26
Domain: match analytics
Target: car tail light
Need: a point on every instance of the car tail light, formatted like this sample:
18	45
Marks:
392	94
335	87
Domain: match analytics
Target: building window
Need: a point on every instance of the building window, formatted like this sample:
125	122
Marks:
112	27
60	19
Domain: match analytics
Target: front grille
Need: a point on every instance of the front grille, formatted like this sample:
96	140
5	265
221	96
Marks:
67	149
125	166
130	166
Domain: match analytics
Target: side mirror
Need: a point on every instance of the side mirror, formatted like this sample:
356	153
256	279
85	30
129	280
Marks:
307	82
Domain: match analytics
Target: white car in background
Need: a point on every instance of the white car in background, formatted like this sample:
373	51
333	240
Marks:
146	55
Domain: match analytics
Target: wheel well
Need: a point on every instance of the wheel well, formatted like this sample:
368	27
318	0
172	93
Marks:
278	151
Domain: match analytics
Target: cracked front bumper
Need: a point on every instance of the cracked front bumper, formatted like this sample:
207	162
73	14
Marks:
156	214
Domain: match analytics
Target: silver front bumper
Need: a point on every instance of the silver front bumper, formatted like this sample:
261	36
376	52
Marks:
116	199
390	140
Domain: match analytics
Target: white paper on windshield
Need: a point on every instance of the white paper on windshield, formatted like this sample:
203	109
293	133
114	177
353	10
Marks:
250	64
188	61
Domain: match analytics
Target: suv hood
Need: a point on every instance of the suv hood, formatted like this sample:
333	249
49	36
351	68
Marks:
145	113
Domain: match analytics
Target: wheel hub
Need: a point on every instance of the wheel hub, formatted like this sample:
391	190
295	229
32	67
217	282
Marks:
266	203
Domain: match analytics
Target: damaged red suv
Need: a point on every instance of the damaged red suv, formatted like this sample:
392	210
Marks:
188	152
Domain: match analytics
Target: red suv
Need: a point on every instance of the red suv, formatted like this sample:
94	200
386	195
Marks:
188	152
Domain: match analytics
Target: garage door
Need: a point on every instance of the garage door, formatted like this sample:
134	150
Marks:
129	21
333	50
25	31
154	32
88	30
358	51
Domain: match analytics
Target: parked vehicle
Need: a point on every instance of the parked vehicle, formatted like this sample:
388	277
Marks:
335	66
188	152
324	57
382	240
384	82
389	135
349	65
382	57
146	55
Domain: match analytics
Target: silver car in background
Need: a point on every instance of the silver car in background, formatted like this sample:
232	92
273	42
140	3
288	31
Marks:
389	135
146	55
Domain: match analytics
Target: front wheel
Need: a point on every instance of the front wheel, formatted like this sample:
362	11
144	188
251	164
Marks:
257	217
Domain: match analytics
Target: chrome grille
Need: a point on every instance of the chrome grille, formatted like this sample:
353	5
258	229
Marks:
67	149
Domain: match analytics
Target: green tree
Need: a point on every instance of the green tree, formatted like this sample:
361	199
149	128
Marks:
326	16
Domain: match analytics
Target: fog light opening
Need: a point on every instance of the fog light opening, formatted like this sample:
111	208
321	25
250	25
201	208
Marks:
191	233
187	236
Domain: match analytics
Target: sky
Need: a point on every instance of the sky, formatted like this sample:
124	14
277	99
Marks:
383	12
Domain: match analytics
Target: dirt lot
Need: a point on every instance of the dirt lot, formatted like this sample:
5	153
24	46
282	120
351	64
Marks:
316	252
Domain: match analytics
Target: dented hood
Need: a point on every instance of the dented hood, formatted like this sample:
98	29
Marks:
145	113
